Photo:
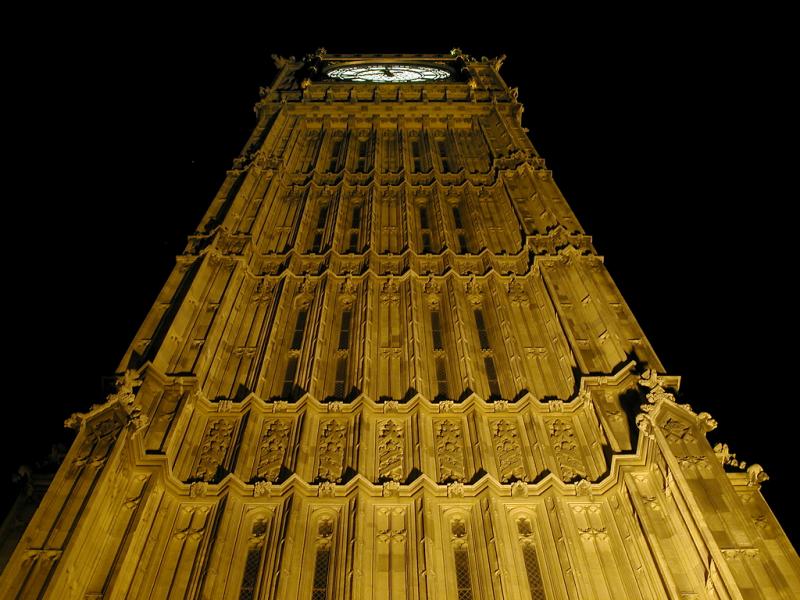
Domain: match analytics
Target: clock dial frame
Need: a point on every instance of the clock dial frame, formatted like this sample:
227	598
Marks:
389	73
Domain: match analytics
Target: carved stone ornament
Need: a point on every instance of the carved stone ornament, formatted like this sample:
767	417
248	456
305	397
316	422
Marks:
645	424
391	488
449	450
706	422
692	460
272	448
431	286
658	395
127	381
138	420
650	379
213	448
519	489
677	431
390	293
583	488
347	291
500	406
507	450
589	533
565	448
198	489
516	293
305	291
724	455
331	449
262	488
459	54
473	291
280	61
432	292
263	291
446	406
756	474
326	489
390	450
497	62
455	490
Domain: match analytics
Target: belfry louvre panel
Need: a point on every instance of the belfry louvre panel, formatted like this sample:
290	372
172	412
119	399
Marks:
390	364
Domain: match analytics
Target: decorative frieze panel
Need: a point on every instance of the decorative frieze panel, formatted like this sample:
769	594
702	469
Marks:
449	444
566	449
391	450
214	449
507	450
331	450
273	449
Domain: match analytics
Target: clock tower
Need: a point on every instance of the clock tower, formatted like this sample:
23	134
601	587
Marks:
390	364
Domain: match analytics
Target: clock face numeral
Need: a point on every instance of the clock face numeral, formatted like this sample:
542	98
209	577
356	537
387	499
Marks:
392	73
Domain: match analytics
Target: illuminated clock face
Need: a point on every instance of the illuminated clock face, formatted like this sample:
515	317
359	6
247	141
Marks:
392	73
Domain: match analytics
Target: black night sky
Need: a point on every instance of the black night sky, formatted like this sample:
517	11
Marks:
664	138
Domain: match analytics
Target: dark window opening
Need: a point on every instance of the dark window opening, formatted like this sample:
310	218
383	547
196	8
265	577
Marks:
457	217
319	589
436	327
491	375
462	243
341	376
416	156
423	218
362	156
483	335
353	248
426	242
288	378
441	377
336	149
344	330
442	147
299	330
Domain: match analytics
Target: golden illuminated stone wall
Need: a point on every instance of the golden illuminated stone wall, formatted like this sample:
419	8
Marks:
390	364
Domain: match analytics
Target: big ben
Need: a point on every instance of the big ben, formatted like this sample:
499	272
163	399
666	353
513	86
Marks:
391	364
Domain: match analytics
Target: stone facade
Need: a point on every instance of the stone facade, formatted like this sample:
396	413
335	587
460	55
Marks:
390	364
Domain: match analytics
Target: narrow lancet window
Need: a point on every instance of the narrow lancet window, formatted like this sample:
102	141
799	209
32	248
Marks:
426	243
441	145
299	330
458	531
529	556
361	161
336	149
483	335
322	561
441	377
491	376
253	561
436	328
423	218
416	156
344	329
288	379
